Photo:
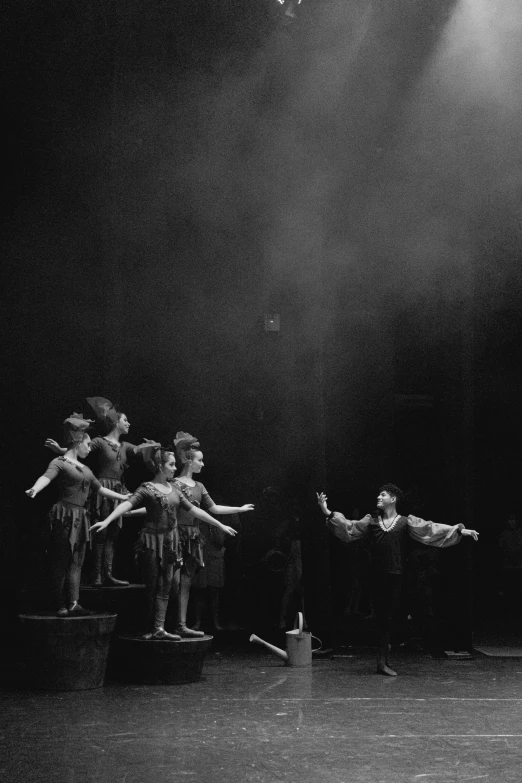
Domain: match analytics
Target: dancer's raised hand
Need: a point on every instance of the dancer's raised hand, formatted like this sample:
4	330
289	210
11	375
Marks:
322	501
54	446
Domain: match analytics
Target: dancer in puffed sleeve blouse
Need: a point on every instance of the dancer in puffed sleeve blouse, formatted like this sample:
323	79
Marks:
388	533
109	458
69	517
159	543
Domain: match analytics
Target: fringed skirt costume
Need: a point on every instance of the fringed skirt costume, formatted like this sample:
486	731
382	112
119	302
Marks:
160	533
109	461
191	540
69	517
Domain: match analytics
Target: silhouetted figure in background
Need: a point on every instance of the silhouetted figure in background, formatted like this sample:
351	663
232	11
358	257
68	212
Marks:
510	565
292	600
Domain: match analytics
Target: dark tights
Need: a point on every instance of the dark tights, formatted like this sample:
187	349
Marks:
386	596
66	567
161	583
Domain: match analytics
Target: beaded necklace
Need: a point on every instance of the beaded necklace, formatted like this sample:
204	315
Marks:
389	527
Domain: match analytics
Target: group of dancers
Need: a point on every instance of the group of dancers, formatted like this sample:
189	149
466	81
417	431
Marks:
92	503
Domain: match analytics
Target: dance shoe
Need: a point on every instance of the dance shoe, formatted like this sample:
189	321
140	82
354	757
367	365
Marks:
385	669
188	633
111	581
161	633
62	612
76	610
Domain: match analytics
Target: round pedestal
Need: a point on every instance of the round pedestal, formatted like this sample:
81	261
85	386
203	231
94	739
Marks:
66	653
129	603
156	662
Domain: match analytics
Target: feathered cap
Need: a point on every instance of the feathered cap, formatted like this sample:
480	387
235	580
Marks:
148	452
75	427
104	411
183	443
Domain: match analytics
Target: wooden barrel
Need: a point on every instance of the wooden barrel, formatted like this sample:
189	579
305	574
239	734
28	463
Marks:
66	653
159	662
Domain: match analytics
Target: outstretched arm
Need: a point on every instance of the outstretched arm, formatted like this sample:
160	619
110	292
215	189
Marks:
37	487
109	493
54	446
347	530
200	514
231	509
437	534
118	512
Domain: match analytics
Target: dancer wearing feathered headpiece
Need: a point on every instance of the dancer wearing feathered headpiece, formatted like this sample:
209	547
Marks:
110	457
191	457
69	516
159	543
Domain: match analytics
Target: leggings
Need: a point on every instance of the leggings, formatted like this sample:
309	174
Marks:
65	566
386	596
161	582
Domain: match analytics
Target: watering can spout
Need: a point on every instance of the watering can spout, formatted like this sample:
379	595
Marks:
280	653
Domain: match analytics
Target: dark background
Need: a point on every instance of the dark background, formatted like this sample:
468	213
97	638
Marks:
173	171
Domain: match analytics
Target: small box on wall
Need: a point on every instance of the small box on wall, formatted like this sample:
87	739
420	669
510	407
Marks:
272	322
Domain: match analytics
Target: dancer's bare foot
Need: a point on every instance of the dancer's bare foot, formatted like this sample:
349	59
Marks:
384	669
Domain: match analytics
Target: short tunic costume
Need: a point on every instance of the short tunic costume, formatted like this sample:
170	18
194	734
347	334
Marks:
160	533
189	532
110	460
74	482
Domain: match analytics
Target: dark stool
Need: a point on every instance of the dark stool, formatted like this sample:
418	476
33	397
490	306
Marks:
66	653
158	662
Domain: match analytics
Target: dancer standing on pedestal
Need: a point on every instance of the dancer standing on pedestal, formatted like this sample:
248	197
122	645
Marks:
110	457
159	543
69	517
191	458
388	533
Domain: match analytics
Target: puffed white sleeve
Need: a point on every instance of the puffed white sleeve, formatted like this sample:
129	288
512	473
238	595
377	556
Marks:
348	530
434	533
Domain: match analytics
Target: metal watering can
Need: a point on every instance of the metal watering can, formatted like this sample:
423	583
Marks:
298	645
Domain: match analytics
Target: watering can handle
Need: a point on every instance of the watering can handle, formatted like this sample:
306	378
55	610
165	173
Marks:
298	622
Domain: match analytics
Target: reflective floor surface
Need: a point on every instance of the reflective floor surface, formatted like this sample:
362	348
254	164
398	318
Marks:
253	720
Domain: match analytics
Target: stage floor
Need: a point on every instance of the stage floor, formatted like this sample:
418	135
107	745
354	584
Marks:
252	720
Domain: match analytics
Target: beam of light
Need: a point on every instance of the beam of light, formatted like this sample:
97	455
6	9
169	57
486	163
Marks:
457	156
480	52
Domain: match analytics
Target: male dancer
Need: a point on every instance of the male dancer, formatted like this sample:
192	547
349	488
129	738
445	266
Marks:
388	533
